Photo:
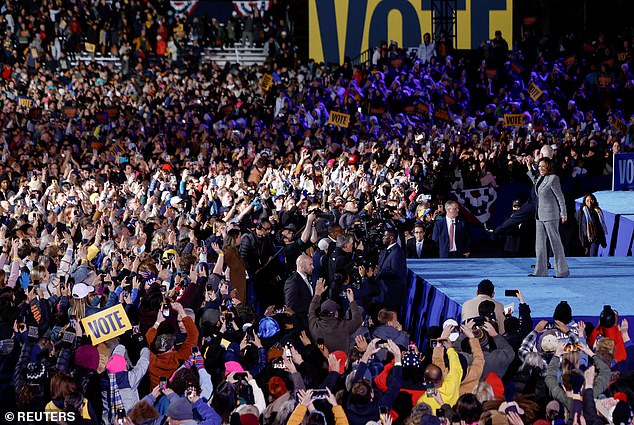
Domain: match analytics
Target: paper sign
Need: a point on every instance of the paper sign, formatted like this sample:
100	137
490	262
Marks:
90	47
534	91
266	81
513	120
106	324
339	119
25	102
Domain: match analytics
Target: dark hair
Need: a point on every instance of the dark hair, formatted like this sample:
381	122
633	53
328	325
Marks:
485	287
182	379
361	392
469	408
563	312
224	400
487	309
594	199
62	385
550	165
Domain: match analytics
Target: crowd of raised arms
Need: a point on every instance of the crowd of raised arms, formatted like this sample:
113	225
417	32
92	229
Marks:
245	236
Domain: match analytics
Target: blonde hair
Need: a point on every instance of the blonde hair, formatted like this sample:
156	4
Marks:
484	392
38	273
78	307
158	240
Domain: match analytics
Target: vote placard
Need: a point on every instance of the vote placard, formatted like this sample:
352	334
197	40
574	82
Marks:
266	82
339	119
513	120
106	324
534	91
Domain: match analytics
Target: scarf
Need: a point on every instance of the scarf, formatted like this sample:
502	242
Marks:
591	225
115	400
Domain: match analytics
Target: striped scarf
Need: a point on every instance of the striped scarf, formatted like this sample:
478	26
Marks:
115	401
592	226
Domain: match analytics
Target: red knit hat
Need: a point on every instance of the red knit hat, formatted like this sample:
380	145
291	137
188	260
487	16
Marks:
496	383
277	387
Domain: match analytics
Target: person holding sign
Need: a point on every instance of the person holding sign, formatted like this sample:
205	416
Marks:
551	206
164	359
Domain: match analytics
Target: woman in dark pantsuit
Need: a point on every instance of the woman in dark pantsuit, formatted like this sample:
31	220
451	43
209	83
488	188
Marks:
551	207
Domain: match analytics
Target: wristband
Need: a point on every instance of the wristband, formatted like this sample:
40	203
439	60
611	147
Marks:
221	255
398	364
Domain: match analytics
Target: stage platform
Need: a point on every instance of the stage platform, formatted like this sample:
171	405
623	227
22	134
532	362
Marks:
438	287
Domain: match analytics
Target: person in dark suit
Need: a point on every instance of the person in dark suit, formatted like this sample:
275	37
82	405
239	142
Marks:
420	246
298	291
392	272
551	207
451	234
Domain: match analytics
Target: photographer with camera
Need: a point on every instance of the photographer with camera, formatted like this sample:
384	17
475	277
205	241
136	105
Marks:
342	260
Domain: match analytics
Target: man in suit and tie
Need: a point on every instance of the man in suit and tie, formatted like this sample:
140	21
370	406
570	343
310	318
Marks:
419	246
392	272
298	291
451	234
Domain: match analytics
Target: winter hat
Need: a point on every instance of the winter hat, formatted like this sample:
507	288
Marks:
563	312
231	367
548	343
180	409
35	373
274	353
342	357
81	290
277	387
496	384
607	319
116	364
329	307
84	275
92	252
268	327
410	359
87	356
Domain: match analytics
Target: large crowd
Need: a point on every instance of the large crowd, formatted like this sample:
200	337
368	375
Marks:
258	250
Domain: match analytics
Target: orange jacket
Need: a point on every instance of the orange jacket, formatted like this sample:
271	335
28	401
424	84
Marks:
165	364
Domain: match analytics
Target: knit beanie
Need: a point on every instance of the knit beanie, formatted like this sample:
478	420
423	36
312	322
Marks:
116	364
87	356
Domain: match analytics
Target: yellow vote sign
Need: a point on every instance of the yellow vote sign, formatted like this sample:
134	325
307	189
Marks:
513	120
534	92
339	119
106	324
266	82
